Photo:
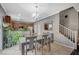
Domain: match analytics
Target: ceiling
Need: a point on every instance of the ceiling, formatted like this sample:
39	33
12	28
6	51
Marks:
23	11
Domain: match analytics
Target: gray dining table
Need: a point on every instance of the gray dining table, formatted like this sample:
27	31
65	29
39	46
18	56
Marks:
32	39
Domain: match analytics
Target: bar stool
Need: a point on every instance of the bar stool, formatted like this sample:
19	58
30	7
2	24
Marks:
44	41
30	43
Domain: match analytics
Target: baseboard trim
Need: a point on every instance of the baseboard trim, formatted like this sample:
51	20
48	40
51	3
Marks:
63	44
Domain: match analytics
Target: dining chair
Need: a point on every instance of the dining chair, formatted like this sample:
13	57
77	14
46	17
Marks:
30	43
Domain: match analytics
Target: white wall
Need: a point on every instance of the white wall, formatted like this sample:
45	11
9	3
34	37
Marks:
56	27
72	20
54	19
2	13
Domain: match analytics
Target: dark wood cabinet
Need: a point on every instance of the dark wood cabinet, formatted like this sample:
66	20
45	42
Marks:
7	19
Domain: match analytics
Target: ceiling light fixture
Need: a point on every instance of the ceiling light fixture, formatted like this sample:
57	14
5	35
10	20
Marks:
35	15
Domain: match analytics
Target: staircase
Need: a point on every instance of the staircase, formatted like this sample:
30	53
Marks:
68	36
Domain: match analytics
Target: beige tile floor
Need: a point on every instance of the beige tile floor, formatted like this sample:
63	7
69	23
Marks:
56	49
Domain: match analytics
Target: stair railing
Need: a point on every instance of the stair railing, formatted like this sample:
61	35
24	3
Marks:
70	34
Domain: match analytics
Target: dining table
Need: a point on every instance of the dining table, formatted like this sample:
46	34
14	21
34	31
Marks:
34	39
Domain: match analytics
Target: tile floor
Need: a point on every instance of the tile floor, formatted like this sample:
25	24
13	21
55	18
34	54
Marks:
56	49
